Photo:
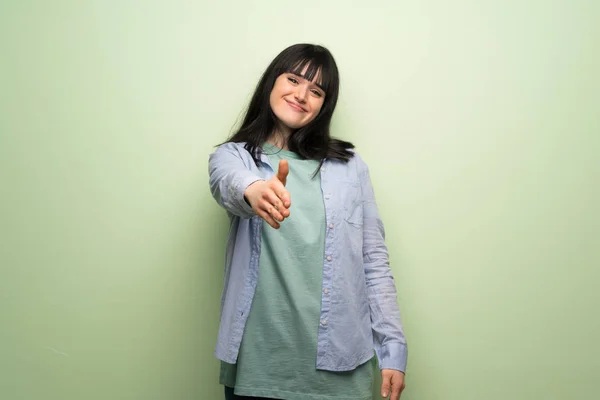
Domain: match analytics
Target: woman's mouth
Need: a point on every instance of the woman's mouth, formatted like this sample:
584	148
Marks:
295	106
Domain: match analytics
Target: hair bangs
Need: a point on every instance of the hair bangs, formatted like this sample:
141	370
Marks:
312	63
310	70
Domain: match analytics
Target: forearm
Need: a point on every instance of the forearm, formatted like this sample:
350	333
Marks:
228	179
388	333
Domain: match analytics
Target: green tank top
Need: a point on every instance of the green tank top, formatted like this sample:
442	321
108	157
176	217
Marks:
278	353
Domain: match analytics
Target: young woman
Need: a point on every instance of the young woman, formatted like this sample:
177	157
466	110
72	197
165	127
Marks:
308	297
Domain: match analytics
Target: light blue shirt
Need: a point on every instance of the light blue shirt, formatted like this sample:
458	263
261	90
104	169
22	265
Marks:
359	309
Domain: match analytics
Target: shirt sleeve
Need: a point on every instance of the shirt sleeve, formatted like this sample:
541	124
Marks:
388	333
228	179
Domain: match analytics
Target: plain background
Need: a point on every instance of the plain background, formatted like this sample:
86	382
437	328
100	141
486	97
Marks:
479	121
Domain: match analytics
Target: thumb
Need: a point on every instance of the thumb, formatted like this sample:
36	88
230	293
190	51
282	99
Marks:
283	171
386	384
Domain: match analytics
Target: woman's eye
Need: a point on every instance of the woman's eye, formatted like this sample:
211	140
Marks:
293	80
317	93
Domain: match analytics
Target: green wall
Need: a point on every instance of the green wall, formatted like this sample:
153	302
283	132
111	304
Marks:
479	120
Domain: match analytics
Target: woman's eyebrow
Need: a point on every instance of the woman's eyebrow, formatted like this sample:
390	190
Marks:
303	77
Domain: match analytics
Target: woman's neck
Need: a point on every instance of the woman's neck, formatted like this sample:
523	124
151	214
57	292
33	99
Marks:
279	137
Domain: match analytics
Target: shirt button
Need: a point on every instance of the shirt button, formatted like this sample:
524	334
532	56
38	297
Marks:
331	226
323	169
328	258
327	196
323	322
326	291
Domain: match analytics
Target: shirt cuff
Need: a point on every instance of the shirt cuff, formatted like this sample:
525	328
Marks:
240	188
393	356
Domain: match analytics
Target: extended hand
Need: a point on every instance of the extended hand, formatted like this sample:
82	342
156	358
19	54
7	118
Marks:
392	383
269	199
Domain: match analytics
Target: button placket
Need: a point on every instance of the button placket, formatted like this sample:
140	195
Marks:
328	268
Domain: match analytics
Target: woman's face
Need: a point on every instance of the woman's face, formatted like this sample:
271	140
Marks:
296	101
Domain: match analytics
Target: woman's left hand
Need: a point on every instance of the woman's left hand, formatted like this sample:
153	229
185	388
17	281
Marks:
392	383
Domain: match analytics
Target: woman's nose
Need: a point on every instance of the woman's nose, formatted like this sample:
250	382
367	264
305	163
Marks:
301	93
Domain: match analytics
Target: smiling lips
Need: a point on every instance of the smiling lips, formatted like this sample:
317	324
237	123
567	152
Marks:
295	106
